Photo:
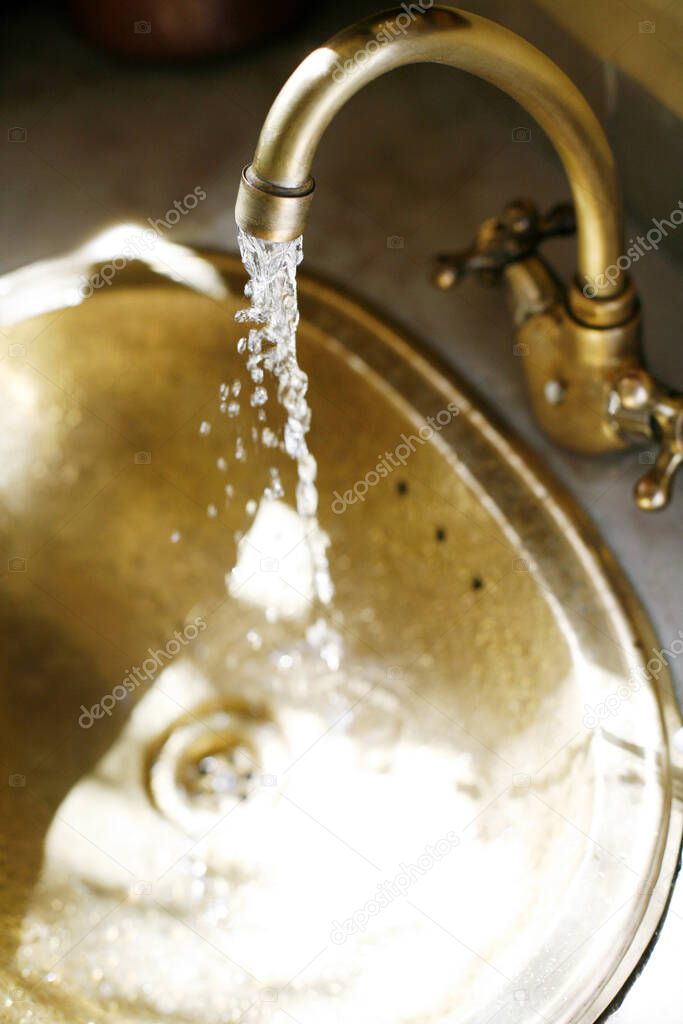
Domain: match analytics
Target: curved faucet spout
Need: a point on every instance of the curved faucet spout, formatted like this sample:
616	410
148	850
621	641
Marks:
276	189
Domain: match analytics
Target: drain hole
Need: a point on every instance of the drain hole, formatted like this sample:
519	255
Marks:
440	533
402	487
477	583
226	769
211	760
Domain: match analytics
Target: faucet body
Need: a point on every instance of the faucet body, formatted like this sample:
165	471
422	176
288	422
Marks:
580	344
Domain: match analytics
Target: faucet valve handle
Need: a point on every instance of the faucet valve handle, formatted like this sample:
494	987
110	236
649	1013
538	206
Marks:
640	408
513	236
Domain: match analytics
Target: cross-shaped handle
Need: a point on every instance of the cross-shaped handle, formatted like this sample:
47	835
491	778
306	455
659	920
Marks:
640	407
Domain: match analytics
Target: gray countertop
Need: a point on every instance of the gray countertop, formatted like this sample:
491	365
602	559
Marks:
421	158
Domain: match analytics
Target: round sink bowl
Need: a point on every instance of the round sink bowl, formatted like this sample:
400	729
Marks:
451	796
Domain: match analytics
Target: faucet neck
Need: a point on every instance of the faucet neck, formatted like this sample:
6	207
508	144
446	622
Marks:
276	189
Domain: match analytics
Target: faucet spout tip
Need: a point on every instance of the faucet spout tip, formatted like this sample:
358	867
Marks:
270	212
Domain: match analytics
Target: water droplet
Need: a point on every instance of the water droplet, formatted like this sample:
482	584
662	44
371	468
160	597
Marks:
175	536
276	490
204	428
251	507
211	511
254	640
233	409
222	464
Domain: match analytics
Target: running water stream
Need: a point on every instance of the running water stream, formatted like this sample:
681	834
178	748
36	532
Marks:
270	349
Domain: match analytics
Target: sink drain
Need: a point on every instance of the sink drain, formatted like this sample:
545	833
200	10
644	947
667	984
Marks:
212	760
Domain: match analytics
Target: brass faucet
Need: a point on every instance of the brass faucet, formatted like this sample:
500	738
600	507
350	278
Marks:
580	345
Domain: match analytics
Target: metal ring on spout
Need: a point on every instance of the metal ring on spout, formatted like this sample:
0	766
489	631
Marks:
266	211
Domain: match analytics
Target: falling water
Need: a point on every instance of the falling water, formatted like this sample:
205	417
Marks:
270	348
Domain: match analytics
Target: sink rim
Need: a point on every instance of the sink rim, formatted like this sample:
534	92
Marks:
599	563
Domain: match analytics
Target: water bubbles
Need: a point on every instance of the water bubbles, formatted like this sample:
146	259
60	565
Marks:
259	397
211	511
236	388
251	507
222	464
254	640
229	490
204	428
323	584
240	452
269	438
293	437
233	409
276	490
242	343
175	536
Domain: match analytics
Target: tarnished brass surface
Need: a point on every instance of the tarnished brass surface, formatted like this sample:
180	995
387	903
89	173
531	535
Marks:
495	629
570	367
334	72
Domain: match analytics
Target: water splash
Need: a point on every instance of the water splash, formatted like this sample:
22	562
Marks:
270	349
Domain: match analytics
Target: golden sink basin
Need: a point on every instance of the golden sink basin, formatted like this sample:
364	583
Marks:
452	796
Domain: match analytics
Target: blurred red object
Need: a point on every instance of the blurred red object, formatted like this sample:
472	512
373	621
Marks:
163	29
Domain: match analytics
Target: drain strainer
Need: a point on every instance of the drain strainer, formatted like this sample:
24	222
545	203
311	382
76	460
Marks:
212	760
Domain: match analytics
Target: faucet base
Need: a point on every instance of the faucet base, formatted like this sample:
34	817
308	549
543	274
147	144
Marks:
571	370
570	366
